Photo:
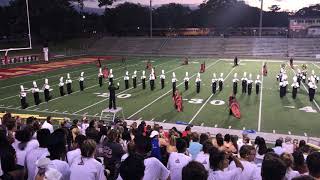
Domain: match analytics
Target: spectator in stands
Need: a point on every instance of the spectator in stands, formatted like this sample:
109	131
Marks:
47	124
273	168
92	132
195	147
57	153
171	147
35	154
112	152
155	152
141	129
10	169
313	162
304	177
84	125
87	166
261	150
203	138
154	168
299	162
218	141
287	145
228	145
24	144
177	160
187	131
219	163
194	171
203	156
245	140
132	168
278	147
250	170
76	153
131	150
11	130
288	161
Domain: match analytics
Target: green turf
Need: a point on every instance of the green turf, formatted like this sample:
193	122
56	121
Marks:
157	105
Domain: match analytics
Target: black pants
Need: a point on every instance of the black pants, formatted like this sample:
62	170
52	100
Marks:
294	92
282	92
244	87
24	103
186	85
235	88
214	87
220	85
152	85
69	90
162	83
81	85
134	82
198	87
311	94
257	89
36	98
111	80
126	82
143	83
47	96
249	88
61	91
112	102
174	86
100	81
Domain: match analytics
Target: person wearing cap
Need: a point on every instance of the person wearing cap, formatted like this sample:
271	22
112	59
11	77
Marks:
186	81
295	86
100	76
156	151
35	92
69	82
152	78
81	81
244	83
162	79
283	85
198	83
61	89
23	98
46	87
250	84
112	95
143	79
126	80
312	88
214	83
258	83
134	79
174	83
110	76
221	82
235	83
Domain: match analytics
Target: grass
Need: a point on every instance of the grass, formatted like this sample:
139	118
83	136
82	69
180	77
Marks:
273	114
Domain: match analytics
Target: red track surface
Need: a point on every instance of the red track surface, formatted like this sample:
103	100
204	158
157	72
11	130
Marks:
38	68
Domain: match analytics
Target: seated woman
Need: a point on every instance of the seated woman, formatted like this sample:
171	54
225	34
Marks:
177	99
234	107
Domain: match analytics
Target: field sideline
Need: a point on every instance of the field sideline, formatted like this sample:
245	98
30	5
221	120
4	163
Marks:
265	112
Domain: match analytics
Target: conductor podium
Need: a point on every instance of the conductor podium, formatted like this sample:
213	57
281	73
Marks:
110	114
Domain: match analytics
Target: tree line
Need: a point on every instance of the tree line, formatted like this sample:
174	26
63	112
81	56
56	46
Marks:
56	20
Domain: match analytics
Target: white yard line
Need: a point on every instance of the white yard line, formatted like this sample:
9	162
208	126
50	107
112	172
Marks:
316	65
314	101
118	93
164	94
207	100
152	119
260	104
74	80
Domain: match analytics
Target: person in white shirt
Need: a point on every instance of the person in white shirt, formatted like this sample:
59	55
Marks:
250	170
154	169
273	168
86	166
287	145
219	163
194	171
34	155
278	147
84	125
47	124
288	160
177	160
76	153
203	156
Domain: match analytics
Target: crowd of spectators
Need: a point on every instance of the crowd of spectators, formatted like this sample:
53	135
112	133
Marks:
92	150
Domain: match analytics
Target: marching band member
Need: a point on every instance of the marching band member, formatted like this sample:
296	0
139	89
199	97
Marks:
162	79
35	92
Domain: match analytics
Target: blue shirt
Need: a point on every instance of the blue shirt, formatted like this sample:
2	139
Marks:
155	152
194	149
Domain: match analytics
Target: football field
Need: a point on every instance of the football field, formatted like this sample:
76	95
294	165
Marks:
264	112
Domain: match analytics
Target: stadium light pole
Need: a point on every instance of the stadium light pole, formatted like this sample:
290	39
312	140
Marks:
260	24
150	18
29	31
